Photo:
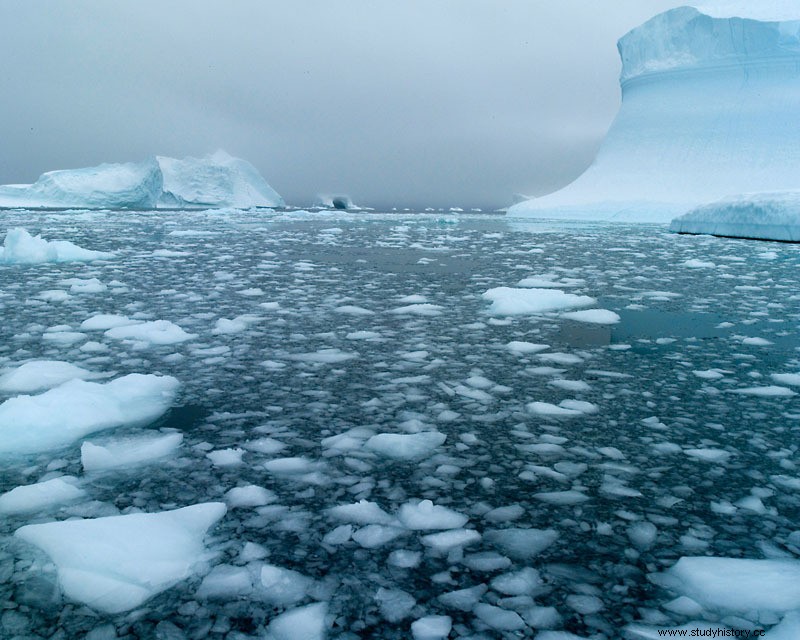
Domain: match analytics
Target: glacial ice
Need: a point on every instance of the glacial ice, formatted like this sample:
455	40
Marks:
116	563
708	110
20	247
511	301
123	452
156	332
216	180
760	216
33	497
77	408
38	375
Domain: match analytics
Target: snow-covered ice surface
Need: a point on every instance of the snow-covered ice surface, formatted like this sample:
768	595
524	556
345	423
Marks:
405	474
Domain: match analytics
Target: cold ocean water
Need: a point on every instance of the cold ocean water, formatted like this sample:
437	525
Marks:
569	463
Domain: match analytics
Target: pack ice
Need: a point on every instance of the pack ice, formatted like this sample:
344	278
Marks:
116	563
20	247
708	110
215	180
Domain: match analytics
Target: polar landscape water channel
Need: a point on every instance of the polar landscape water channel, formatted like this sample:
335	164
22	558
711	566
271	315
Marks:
289	425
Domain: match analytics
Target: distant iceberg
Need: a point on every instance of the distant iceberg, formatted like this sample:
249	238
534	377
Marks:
335	201
759	216
709	108
216	180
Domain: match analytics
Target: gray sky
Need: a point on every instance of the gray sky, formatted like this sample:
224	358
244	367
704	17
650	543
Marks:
398	103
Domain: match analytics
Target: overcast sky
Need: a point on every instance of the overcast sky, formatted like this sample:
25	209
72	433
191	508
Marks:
398	103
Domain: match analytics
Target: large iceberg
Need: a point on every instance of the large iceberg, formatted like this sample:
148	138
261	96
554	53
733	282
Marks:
216	180
709	109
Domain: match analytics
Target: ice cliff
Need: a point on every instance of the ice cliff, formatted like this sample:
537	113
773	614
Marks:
216	180
710	98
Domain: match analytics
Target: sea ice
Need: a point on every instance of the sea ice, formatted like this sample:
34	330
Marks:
77	408
304	623
509	301
41	374
34	497
156	332
593	316
20	247
425	515
405	446
116	563
128	451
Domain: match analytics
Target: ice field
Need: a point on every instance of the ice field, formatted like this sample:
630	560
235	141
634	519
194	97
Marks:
296	426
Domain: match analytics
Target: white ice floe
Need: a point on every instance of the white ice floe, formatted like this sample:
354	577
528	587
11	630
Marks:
431	628
421	309
362	512
593	316
453	539
565	409
522	347
20	247
250	495
116	563
405	446
792	379
736	585
510	301
770	391
77	408
324	356
304	623
521	544
283	587
105	321
156	332
41	374
125	452
424	515
34	497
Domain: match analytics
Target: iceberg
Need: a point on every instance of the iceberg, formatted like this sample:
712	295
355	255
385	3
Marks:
216	180
709	108
335	201
758	216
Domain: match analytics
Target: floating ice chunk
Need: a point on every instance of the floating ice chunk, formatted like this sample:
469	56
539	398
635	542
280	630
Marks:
362	512
423	309
303	623
432	628
226	326
756	341
561	498
404	559
363	335
497	618
487	561
41	374
452	539
526	581
584	604
504	514
250	495
116	563
463	599
552	410
521	347
156	332
425	515
225	582
593	316
283	587
226	457
736	585
324	356
20	247
395	604
128	451
376	535
105	321
339	535
694	263
521	544
77	408
353	310
771	391
709	454
642	534
709	374
34	497
405	446
560	358
264	445
80	285
571	385
290	466
787	378
66	338
509	301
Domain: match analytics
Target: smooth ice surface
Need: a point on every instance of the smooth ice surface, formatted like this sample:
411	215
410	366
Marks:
156	332
20	247
116	563
511	301
405	446
707	111
41	374
34	497
77	408
304	623
124	452
761	216
738	585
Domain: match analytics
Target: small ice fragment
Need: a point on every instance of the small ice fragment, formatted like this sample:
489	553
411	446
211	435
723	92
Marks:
431	628
425	515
